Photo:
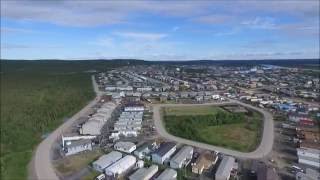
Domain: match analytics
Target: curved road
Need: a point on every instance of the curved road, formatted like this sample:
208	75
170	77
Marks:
263	150
42	165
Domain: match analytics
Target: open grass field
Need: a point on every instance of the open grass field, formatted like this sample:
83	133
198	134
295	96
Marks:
236	131
74	163
192	110
35	99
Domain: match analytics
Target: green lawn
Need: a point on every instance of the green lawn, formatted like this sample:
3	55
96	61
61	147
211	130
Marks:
34	102
74	163
192	110
236	131
233	136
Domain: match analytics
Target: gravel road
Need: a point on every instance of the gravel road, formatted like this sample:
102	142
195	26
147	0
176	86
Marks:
263	149
41	162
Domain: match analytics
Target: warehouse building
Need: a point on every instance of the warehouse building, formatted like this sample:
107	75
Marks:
144	173
182	158
121	166
164	152
168	174
309	156
225	167
106	160
127	147
76	146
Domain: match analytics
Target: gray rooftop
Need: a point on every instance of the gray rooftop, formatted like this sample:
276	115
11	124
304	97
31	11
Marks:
143	173
164	148
168	174
225	166
182	154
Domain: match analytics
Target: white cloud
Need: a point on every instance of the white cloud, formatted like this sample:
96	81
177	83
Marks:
142	36
260	23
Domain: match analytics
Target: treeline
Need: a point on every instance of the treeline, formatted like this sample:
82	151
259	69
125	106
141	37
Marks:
187	126
33	104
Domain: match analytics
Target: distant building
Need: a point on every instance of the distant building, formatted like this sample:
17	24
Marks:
127	147
168	174
76	146
164	152
144	173
224	170
106	160
182	158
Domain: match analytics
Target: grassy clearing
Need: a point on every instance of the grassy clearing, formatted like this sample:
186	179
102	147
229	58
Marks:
231	130
74	163
233	136
93	174
192	110
34	102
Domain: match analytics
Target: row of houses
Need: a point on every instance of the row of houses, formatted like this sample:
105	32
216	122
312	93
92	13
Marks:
129	122
95	123
114	165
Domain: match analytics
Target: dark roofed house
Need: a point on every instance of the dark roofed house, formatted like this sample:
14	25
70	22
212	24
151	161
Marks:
164	152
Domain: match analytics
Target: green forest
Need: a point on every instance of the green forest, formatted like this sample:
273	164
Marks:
36	97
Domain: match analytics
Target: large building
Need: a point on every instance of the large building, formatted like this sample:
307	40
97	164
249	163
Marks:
182	158
168	174
225	168
121	166
77	146
164	152
309	156
106	160
144	173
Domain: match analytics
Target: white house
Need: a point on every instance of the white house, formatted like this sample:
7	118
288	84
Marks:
76	146
120	166
127	147
106	160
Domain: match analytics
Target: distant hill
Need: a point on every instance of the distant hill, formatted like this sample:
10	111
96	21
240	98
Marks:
103	64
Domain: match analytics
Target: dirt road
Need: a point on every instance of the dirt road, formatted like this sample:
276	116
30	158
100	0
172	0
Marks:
42	165
263	149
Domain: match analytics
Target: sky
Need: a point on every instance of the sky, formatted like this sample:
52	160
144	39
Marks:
159	30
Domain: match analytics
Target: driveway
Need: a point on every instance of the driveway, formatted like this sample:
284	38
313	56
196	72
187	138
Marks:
41	163
263	149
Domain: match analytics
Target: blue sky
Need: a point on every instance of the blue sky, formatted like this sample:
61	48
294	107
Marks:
154	30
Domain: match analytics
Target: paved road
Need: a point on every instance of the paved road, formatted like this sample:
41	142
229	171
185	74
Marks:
263	150
42	165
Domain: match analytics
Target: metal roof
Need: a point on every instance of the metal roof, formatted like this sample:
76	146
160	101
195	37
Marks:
144	173
107	159
164	148
225	166
168	174
182	154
